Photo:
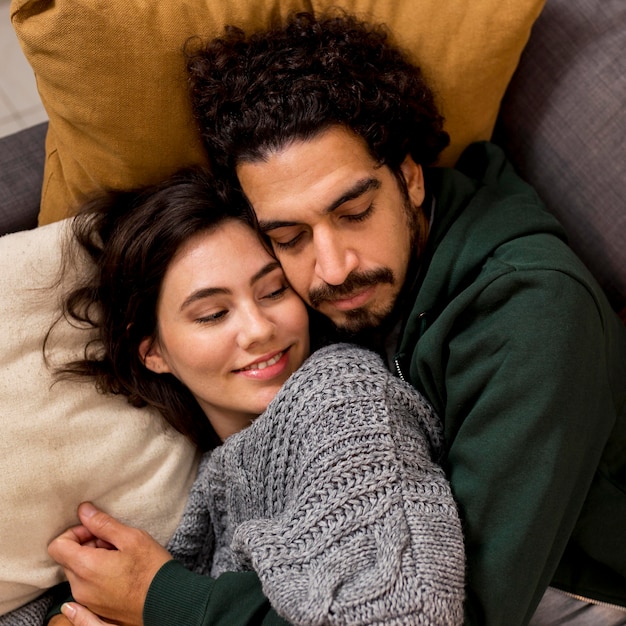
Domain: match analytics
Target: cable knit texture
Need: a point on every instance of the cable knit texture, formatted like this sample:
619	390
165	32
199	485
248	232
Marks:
335	498
31	614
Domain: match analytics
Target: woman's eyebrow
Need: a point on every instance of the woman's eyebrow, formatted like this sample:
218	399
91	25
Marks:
266	269
357	190
200	294
207	292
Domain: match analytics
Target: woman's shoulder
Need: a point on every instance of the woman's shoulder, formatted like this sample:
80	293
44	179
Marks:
344	357
346	370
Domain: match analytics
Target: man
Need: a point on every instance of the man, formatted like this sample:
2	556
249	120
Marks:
461	278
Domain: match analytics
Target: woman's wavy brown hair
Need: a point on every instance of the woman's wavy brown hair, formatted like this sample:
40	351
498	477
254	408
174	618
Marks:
131	237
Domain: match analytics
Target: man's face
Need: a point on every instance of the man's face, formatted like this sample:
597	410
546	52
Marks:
338	222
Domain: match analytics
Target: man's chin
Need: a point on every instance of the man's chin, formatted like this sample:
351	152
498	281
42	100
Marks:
355	321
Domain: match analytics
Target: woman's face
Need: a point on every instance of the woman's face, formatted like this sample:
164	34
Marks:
229	326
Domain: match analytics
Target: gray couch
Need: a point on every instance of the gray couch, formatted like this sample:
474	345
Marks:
562	122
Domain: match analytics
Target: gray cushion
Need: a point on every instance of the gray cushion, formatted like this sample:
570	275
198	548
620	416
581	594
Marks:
563	123
22	157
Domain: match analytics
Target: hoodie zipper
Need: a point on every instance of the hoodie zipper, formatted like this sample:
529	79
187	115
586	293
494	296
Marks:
608	605
398	370
396	361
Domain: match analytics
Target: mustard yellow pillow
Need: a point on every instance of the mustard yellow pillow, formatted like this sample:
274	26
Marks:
111	75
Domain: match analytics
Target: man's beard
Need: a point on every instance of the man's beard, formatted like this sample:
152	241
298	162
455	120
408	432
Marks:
362	318
358	320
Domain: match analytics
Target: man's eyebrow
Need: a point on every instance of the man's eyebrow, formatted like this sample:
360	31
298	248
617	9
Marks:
358	189
207	292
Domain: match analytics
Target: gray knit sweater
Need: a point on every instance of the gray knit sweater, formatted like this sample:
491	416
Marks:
31	614
335	498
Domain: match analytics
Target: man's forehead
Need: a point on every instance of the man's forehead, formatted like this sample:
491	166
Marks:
315	174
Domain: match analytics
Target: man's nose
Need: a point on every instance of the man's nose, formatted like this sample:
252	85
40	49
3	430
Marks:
334	260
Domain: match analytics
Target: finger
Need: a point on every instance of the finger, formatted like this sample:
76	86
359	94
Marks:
66	547
82	535
80	616
101	543
109	531
78	534
69	553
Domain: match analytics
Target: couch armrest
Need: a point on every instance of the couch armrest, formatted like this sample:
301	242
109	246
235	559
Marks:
22	157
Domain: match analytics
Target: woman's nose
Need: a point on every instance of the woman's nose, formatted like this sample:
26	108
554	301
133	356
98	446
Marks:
256	327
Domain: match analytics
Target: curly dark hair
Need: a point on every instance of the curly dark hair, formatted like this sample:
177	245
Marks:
252	94
131	237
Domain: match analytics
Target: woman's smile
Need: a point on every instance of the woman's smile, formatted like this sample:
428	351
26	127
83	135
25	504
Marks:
267	367
232	332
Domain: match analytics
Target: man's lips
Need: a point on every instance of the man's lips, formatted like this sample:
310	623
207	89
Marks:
353	292
353	301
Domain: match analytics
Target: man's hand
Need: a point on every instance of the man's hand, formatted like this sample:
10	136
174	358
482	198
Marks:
109	567
76	615
61	620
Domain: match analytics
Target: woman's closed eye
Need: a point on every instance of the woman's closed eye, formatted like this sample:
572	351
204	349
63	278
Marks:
212	318
220	314
276	293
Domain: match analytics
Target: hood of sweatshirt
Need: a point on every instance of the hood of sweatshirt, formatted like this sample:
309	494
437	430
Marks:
481	206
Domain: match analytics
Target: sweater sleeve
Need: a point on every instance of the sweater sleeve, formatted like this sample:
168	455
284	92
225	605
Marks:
335	499
182	592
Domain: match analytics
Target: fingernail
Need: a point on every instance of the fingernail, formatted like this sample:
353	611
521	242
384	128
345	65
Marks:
87	509
68	610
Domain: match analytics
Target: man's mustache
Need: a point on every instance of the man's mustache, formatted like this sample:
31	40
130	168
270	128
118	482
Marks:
353	282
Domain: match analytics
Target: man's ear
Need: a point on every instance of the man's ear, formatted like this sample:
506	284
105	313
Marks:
152	357
414	177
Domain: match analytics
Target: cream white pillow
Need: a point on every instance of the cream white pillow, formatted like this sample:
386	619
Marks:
65	443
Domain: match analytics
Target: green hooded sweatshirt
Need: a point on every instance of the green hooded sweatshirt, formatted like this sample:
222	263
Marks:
517	348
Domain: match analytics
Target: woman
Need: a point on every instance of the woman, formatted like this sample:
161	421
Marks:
333	496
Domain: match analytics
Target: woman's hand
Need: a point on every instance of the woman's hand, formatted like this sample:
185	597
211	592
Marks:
109	567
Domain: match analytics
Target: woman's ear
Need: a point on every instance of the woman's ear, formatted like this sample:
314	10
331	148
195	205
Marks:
152	357
414	178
